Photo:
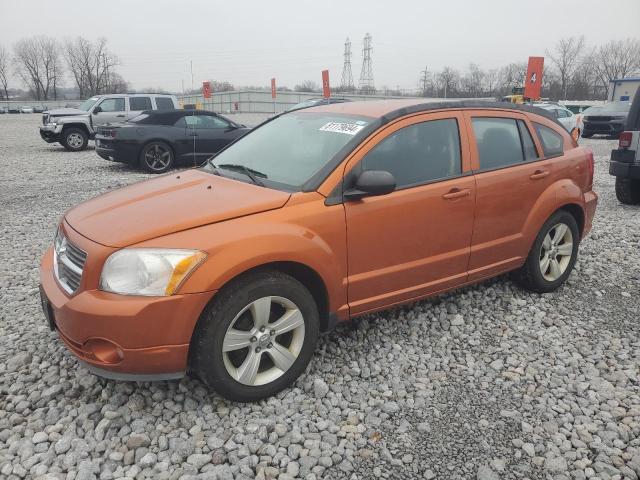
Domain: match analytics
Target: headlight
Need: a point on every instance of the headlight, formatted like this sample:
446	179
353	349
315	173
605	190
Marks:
148	271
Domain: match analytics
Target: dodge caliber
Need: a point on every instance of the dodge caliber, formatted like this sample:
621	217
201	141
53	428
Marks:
229	272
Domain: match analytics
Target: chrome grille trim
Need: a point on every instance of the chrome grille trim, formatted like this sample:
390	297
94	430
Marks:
68	264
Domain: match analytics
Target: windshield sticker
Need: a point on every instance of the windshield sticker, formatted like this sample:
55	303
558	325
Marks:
339	127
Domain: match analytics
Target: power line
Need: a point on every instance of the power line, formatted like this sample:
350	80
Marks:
346	83
366	75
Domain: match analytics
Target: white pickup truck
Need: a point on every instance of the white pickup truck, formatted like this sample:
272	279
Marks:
74	127
625	160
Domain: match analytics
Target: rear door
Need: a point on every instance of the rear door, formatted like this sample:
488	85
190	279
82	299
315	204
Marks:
137	105
511	173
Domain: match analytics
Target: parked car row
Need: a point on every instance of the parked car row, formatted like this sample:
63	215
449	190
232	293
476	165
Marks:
625	160
231	271
23	109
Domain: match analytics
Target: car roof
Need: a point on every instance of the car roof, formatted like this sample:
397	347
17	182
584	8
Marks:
387	110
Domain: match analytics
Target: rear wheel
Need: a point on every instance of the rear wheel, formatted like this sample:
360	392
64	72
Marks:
74	139
628	191
552	256
156	157
256	337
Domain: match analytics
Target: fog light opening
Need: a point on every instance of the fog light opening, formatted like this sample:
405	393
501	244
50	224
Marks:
104	350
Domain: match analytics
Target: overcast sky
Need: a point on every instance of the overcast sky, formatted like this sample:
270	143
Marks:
247	43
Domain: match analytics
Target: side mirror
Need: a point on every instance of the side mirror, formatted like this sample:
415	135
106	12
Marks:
97	110
371	183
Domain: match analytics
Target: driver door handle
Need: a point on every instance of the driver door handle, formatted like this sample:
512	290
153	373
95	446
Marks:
456	193
538	174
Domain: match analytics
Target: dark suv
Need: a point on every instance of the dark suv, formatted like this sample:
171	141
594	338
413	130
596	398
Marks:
625	160
607	120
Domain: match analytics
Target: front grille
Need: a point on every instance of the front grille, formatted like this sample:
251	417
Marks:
68	263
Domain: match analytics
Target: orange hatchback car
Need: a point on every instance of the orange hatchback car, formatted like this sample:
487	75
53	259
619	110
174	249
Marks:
232	270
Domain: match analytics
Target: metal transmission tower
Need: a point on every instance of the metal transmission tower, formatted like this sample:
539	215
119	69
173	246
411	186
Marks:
366	75
346	83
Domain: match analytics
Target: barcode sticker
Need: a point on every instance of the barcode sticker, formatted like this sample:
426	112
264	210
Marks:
339	127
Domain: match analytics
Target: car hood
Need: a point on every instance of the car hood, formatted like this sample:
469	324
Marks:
64	112
169	204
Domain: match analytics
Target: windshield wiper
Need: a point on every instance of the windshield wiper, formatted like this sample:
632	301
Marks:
249	172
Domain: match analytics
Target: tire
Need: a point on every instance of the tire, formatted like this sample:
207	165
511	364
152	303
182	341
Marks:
539	274
74	139
229	373
628	191
156	157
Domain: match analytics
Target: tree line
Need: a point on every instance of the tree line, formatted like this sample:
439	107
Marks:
42	63
573	70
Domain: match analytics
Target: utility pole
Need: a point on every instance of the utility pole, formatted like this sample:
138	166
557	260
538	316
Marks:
366	74
424	80
191	76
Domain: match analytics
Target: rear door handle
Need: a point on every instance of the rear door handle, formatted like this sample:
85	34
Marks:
456	193
538	174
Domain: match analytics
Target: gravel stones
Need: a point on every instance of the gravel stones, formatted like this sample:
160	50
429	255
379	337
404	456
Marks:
487	382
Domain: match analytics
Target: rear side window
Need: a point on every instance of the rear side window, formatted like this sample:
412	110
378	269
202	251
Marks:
418	153
139	103
498	141
552	142
164	103
528	146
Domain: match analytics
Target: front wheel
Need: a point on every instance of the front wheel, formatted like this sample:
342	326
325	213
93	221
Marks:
256	337
628	191
74	139
552	256
156	157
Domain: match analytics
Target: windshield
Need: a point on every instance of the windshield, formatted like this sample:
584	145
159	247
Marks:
88	103
290	149
621	107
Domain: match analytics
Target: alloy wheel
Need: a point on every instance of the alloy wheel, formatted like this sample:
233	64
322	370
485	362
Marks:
556	252
263	341
157	157
75	140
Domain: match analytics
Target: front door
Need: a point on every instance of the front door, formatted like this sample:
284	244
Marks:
415	240
112	110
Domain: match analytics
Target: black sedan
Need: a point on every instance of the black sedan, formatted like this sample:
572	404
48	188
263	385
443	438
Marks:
159	140
607	119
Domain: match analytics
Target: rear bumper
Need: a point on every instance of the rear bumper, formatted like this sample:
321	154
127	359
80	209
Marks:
116	152
122	337
590	204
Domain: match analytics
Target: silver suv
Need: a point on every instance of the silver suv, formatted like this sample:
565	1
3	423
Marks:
73	127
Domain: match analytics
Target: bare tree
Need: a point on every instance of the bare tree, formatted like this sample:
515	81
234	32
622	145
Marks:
617	59
307	86
566	56
472	81
447	82
92	66
491	78
512	75
4	71
37	62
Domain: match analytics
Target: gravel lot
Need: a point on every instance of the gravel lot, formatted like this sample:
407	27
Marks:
490	382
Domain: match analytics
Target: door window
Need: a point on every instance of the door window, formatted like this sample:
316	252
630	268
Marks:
418	153
202	121
164	103
139	103
552	142
530	152
498	141
112	105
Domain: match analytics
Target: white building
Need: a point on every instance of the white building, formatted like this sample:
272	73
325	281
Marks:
623	89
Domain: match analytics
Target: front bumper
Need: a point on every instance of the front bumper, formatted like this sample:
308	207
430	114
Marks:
603	128
118	336
51	133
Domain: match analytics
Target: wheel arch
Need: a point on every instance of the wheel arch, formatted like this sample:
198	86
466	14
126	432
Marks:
79	125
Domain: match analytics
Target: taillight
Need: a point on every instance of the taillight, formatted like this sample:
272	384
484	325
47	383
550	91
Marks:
590	165
625	140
